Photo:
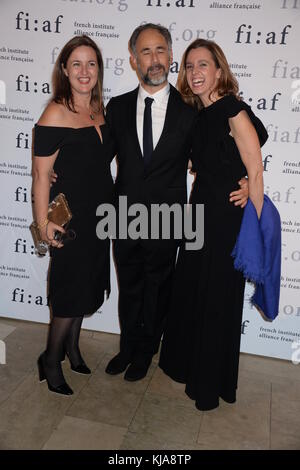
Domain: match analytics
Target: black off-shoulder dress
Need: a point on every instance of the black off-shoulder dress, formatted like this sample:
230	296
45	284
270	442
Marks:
202	337
79	273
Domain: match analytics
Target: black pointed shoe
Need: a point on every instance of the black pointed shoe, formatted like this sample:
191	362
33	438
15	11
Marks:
81	368
117	365
62	389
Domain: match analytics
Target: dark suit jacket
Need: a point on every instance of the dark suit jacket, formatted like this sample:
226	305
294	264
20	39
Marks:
164	181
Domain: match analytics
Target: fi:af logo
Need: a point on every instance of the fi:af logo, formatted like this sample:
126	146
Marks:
25	22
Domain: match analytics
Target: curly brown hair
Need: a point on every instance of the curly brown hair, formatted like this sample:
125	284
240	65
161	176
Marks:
227	83
62	92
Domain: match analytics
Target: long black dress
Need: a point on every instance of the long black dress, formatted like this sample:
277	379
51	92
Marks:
80	271
201	342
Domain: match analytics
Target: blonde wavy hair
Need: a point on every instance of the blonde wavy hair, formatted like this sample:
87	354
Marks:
227	83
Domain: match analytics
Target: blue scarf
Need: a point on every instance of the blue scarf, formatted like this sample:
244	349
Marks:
257	253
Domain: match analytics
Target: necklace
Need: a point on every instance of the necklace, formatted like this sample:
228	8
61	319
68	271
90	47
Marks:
90	113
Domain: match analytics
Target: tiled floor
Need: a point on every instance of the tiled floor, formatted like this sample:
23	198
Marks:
107	412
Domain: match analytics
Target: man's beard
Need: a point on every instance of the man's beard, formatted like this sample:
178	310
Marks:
153	81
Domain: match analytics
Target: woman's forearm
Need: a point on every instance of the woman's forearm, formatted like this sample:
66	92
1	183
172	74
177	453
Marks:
246	139
41	190
256	191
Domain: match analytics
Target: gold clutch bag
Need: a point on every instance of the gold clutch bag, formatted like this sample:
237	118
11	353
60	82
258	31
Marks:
59	213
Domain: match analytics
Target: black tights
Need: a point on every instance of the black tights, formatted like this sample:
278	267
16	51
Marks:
63	338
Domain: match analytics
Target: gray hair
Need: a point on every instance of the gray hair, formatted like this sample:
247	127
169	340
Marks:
160	29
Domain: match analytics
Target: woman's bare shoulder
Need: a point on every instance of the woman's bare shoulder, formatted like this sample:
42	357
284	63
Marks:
53	115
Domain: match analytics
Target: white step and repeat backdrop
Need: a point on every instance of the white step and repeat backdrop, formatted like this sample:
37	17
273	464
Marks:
261	41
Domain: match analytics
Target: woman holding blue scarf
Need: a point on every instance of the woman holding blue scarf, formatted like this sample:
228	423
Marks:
201	342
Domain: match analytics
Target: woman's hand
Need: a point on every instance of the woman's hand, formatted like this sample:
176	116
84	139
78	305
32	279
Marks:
240	197
52	177
48	234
